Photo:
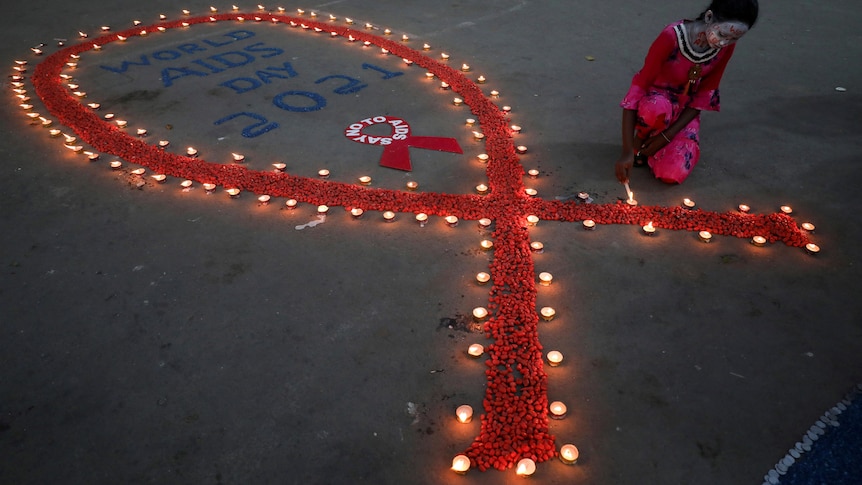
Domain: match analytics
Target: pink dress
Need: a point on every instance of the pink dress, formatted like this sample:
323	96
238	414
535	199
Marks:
661	90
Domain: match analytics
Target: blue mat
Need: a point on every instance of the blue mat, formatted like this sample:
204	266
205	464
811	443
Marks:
829	453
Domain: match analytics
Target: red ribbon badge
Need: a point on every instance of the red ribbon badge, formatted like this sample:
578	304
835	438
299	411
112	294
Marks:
396	146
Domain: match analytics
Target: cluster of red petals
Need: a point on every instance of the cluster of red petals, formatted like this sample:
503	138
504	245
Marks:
515	422
774	227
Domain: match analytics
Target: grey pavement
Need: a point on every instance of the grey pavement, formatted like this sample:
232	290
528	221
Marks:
155	336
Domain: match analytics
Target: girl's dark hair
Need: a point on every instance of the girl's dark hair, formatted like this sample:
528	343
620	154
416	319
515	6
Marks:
744	11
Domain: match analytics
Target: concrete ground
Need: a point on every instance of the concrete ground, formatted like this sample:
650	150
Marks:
156	336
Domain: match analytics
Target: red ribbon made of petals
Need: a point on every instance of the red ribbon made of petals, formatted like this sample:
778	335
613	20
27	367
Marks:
396	146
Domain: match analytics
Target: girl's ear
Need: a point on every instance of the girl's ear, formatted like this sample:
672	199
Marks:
708	17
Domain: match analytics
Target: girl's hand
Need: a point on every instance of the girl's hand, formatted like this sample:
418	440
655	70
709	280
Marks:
653	145
624	167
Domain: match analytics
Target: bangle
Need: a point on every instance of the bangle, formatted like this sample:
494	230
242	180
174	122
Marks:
665	137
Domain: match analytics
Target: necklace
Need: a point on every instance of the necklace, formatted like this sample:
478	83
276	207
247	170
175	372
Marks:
687	47
693	75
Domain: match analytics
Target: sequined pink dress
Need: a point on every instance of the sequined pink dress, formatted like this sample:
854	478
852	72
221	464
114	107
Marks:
661	90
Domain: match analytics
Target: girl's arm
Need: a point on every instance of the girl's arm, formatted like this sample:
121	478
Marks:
627	156
657	142
649	146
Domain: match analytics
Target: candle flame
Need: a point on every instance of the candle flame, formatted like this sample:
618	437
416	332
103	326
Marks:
461	464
